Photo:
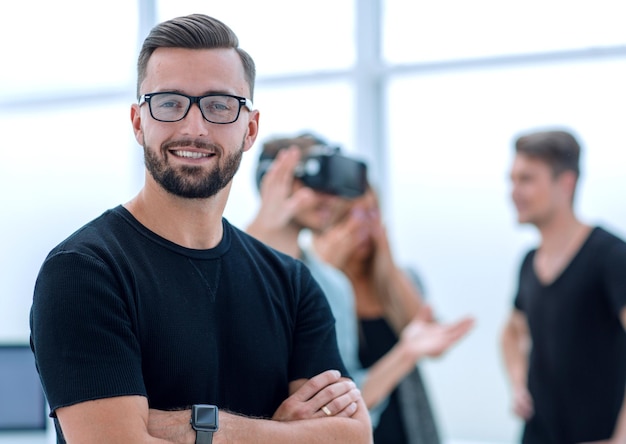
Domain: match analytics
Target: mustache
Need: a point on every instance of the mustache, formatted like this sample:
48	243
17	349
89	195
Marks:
196	143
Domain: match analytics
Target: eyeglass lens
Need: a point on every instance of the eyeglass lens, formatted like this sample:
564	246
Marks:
170	107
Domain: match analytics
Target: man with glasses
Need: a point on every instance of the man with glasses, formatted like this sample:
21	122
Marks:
159	321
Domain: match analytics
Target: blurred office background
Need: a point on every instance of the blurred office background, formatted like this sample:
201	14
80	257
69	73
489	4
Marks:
430	93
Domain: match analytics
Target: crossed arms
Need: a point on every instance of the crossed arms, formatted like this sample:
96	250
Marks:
299	418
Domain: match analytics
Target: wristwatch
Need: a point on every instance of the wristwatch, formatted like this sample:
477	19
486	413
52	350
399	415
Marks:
204	420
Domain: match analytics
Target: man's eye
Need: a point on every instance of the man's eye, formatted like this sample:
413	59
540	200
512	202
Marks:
217	106
170	104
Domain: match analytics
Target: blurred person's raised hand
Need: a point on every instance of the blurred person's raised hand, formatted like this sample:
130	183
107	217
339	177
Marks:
338	243
279	201
430	338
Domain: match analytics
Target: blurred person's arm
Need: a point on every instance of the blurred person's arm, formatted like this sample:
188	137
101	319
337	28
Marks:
619	432
126	419
515	344
401	299
417	340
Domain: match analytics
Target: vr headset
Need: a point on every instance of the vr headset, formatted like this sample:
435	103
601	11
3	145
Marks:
326	171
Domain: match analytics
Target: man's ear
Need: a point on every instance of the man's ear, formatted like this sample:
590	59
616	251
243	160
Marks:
135	119
253	130
568	180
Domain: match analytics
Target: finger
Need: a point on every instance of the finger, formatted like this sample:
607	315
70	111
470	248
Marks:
301	199
348	411
289	159
336	396
282	168
344	405
313	386
460	328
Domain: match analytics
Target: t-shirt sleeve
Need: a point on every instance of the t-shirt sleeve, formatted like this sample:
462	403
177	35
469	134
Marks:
615	276
315	343
81	332
524	270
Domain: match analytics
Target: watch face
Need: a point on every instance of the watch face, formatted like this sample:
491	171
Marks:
204	417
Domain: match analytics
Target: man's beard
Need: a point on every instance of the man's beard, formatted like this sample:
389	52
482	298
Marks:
189	181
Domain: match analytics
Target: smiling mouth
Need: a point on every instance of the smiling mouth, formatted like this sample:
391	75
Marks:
191	154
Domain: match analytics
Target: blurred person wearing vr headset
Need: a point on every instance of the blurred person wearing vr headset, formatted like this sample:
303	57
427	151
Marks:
306	187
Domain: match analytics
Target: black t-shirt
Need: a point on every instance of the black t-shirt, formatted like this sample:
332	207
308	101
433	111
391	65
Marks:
577	366
118	310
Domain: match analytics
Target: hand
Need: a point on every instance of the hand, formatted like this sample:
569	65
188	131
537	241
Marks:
278	201
429	338
338	243
523	403
327	391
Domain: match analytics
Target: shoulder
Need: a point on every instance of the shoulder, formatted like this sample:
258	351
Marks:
528	258
91	237
605	244
602	236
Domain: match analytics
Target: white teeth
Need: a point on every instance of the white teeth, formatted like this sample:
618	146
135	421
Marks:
190	154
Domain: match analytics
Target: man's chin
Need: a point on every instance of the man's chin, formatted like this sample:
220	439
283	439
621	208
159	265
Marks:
525	220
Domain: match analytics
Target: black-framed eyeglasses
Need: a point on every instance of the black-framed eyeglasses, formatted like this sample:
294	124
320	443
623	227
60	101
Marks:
215	108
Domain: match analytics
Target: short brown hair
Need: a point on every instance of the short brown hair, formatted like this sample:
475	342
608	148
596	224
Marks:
195	31
558	148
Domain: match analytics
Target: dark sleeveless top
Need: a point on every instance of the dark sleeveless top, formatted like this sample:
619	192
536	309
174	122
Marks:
408	418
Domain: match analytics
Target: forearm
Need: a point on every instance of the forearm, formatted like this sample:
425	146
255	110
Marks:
619	432
515	356
404	300
236	429
174	427
384	376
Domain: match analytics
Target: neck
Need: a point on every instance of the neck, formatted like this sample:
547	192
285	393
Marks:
560	230
191	223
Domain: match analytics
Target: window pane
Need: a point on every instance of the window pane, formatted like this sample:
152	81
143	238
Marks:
54	47
449	29
450	210
283	36
59	169
289	110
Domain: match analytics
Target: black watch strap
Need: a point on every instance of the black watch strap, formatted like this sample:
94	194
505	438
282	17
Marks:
204	437
205	421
